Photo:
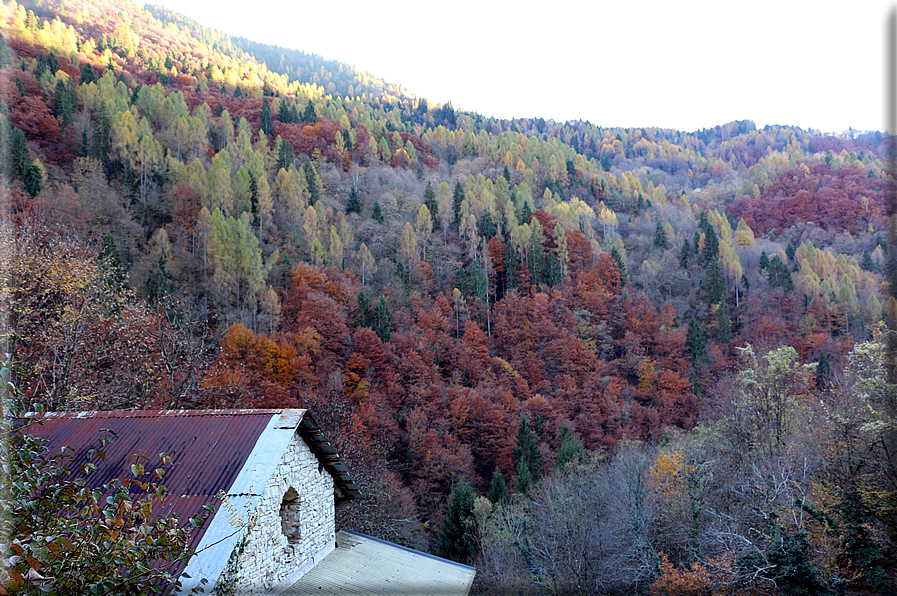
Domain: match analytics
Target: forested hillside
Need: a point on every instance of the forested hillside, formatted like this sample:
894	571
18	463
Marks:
586	360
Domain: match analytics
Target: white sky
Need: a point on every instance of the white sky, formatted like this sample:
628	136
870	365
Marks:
687	64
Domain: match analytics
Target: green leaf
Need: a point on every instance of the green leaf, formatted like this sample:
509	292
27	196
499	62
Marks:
137	469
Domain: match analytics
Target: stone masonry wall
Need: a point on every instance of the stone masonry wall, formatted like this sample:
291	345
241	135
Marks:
270	556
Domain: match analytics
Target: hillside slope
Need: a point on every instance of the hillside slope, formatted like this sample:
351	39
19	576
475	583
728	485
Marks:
204	221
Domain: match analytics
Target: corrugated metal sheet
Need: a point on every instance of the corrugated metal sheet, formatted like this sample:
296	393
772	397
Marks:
207	447
364	566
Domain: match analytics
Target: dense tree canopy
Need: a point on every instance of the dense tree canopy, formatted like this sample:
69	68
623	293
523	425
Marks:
617	325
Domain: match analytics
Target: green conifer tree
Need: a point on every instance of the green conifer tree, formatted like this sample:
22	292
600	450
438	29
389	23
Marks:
457	198
266	123
526	455
309	114
696	342
621	266
685	254
382	323
157	285
430	202
311	177
711	245
87	74
823	371
498	488
377	213
723	323
284	152
365	316
715	283
866	262
457	539
353	204
660	237
110	261
569	448
789	252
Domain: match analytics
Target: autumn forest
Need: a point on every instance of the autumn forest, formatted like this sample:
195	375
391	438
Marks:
585	360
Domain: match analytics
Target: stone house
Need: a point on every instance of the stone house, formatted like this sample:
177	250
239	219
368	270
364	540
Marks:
275	481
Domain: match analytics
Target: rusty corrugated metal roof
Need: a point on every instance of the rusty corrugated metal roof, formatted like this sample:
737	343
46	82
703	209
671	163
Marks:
208	449
193	438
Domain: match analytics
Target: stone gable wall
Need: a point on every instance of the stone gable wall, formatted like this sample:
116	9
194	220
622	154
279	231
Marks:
270	556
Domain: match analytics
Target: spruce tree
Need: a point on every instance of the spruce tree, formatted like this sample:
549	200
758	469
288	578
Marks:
383	320
486	226
523	477
823	371
778	274
309	114
621	266
87	73
157	284
510	266
284	152
457	539
63	104
32	179
711	245
789	251
18	153
866	262
284	113
498	488
715	283
696	342
311	177
526	455
660	237
100	141
685	254
110	262
364	309
723	323
266	123
569	448
457	199
353	205
377	213
430	202
52	63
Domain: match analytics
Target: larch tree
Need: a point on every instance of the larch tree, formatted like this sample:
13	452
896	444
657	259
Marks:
423	228
367	262
310	227
409	250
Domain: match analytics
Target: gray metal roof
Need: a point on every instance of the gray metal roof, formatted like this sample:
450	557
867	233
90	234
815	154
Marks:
365	566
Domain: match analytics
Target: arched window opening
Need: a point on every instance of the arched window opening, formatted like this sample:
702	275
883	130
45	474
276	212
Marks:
290	521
